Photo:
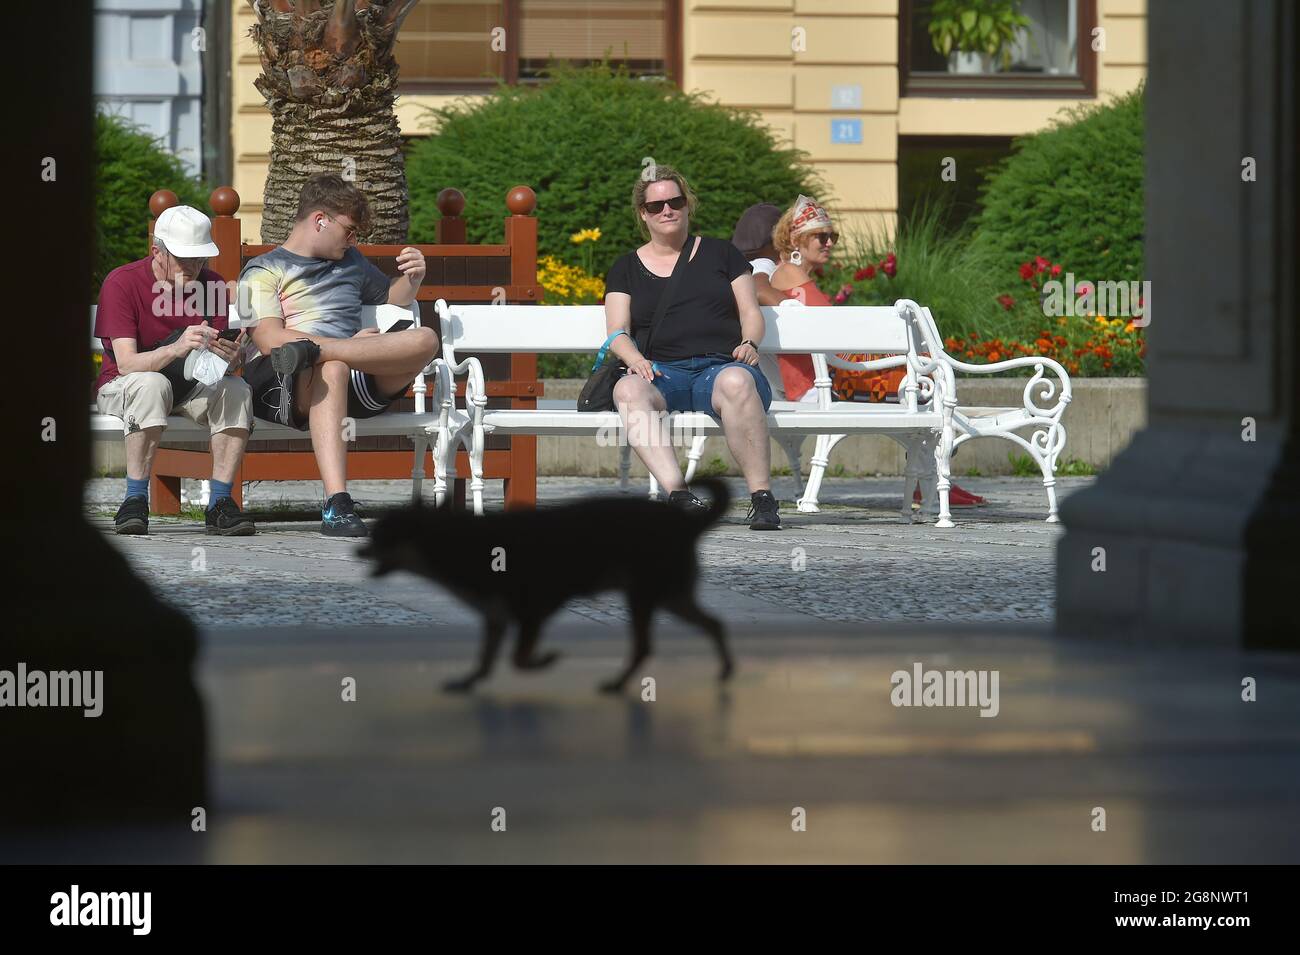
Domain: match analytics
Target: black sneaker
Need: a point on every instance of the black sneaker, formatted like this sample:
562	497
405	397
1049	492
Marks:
339	518
132	516
764	514
293	357
225	519
686	501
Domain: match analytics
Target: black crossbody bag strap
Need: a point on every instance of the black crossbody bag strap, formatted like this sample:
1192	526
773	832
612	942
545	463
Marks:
669	291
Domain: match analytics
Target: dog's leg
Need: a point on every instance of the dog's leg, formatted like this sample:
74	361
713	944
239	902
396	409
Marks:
642	612
529	633
494	630
687	609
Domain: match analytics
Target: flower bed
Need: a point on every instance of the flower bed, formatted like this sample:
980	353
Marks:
1085	343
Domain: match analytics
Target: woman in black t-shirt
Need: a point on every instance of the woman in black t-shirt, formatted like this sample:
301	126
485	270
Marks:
704	354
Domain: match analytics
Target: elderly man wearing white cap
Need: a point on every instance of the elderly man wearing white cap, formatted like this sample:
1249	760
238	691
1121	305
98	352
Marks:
152	315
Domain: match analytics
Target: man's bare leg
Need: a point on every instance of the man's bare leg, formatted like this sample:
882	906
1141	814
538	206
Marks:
328	384
391	353
140	449
227	452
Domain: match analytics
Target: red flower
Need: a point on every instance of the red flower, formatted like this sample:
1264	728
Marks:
1056	270
1083	288
890	266
840	298
1007	302
868	273
1040	263
1026	270
846	289
995	355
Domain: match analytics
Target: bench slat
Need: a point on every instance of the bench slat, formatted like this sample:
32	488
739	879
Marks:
104	427
581	328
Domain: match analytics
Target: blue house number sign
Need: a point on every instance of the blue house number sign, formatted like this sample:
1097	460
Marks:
846	131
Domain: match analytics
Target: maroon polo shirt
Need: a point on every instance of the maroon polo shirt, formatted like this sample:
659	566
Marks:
134	304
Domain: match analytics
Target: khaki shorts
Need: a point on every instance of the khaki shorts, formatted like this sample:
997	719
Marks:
143	399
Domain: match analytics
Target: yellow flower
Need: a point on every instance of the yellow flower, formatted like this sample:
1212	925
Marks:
567	283
585	235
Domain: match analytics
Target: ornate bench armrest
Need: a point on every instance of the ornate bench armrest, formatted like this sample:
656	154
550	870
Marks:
1047	389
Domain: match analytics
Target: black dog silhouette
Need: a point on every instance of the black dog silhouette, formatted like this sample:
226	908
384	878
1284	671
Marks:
523	566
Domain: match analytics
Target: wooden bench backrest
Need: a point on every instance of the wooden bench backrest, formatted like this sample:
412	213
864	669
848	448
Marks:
372	316
791	328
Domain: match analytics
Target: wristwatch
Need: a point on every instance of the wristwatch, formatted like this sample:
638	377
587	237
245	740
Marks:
750	343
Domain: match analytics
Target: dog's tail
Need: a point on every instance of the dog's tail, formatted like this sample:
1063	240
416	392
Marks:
719	498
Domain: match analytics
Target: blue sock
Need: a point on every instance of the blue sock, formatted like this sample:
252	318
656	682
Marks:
217	490
138	488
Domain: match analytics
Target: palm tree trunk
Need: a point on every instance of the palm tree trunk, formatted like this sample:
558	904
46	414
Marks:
329	77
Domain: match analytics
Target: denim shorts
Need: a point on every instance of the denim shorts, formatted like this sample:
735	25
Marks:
687	385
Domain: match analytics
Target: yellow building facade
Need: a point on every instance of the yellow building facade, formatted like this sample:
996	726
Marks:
832	77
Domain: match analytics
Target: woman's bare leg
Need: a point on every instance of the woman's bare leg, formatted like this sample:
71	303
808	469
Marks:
735	399
643	411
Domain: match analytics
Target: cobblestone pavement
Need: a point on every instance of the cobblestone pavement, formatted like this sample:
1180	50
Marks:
1185	770
860	561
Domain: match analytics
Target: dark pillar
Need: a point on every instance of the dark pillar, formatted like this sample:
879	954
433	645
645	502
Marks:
74	604
1198	523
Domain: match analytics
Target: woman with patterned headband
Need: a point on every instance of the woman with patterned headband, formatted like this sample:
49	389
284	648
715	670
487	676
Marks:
803	238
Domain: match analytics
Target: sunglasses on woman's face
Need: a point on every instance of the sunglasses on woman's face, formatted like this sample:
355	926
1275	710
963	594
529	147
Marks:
826	238
656	206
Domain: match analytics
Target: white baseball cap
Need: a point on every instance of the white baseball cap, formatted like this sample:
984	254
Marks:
186	233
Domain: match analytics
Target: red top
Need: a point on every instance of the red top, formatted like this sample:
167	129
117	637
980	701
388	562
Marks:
797	370
134	304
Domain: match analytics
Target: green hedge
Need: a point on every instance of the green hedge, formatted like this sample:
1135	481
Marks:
578	139
1072	194
131	166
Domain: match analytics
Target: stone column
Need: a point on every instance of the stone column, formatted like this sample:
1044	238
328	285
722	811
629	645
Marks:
73	603
1198	520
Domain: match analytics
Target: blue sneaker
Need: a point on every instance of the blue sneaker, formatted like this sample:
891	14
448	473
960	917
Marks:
339	518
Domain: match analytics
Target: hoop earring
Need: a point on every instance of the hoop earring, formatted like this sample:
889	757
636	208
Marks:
796	257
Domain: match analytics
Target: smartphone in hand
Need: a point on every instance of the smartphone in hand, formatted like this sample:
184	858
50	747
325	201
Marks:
401	325
230	334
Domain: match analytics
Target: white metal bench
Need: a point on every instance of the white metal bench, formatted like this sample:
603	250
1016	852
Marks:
419	425
1044	444
923	419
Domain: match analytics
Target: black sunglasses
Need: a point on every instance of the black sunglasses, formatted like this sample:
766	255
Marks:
656	206
824	238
